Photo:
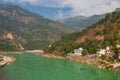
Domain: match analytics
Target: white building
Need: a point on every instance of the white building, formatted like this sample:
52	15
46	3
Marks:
107	48
118	46
78	51
101	52
106	51
50	46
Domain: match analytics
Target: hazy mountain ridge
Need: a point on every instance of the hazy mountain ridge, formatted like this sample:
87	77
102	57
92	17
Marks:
81	22
117	9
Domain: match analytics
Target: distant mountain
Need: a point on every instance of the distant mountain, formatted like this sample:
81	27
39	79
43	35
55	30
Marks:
72	19
20	29
104	33
117	9
46	11
81	22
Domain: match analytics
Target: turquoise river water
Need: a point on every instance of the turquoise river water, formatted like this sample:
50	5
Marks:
31	67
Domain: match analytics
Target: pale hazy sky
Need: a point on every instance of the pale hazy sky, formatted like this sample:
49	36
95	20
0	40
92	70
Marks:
77	7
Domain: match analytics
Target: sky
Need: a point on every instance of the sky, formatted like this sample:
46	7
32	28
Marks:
55	9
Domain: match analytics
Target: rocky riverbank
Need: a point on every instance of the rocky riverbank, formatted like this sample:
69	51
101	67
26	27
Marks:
6	60
89	59
96	61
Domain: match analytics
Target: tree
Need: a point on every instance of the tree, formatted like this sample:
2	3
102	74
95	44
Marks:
116	51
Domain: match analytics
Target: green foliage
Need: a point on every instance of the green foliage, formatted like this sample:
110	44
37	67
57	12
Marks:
116	55
116	34
69	47
113	16
107	30
7	46
85	51
110	59
103	57
36	45
90	46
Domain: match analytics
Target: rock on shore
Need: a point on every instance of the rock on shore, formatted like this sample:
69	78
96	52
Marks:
5	60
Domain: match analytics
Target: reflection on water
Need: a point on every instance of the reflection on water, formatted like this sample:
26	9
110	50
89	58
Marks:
2	75
30	67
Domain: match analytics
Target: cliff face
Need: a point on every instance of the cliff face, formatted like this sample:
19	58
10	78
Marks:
20	28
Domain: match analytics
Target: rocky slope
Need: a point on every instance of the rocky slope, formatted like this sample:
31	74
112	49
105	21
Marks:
20	29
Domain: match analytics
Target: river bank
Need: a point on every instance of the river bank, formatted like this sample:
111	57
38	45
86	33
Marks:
88	59
97	61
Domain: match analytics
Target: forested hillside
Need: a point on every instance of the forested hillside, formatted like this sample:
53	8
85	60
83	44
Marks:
104	33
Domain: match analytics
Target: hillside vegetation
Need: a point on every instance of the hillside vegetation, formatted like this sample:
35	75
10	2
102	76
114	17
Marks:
20	29
104	33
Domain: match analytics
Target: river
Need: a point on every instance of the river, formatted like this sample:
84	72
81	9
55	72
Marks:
31	67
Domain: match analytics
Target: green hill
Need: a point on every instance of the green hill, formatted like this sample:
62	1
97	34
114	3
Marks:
104	33
20	28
